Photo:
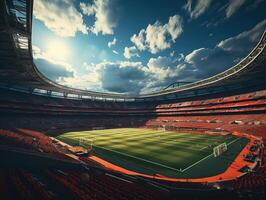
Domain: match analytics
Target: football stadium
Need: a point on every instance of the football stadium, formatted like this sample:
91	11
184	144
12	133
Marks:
199	139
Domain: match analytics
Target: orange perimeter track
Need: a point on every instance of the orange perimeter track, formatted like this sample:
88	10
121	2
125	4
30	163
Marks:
230	174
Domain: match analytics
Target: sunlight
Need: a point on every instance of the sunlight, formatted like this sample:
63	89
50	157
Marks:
58	50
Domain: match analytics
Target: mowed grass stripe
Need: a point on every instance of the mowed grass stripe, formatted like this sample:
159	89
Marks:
113	134
191	142
181	144
142	159
158	147
140	136
130	140
166	153
149	141
162	147
123	138
130	137
166	147
174	159
231	142
152	147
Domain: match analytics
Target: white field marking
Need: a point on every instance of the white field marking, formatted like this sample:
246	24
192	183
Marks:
179	142
152	135
137	158
186	143
206	157
208	146
193	146
151	139
134	136
107	137
144	135
159	163
204	147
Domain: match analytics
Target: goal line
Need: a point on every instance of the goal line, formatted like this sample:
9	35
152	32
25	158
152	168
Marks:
207	156
137	158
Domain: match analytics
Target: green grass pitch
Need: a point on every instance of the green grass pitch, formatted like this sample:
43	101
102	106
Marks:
157	151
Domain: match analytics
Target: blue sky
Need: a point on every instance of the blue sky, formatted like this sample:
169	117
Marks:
140	46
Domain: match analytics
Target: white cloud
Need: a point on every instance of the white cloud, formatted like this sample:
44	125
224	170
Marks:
115	52
244	40
203	62
158	72
105	21
200	8
89	79
196	55
210	61
233	6
160	67
36	51
123	77
66	23
130	52
172	53
112	43
139	40
82	82
188	6
158	37
162	71
118	77
51	68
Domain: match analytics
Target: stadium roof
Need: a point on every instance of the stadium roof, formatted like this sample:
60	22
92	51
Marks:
18	71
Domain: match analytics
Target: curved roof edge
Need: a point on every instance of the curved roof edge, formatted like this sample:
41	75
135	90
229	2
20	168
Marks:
243	64
17	30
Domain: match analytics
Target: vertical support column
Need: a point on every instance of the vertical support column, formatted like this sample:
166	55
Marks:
31	90
49	93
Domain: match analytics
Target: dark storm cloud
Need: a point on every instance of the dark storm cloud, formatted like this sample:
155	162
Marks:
122	77
53	71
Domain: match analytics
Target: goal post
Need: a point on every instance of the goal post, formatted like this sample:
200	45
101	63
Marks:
218	150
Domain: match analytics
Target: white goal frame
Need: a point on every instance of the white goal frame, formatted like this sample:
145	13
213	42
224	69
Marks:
220	149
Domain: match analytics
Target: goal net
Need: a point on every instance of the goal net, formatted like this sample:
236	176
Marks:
218	150
86	143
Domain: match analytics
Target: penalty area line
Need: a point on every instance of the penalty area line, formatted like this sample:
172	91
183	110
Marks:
137	158
183	170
